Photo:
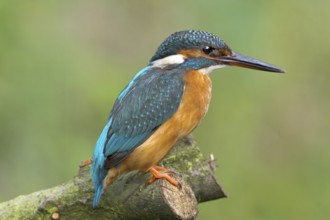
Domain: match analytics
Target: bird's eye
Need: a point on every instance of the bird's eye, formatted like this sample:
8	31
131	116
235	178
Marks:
207	50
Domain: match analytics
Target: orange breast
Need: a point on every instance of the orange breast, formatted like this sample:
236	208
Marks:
192	109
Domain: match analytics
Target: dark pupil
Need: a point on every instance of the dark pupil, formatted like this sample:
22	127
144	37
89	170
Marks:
207	50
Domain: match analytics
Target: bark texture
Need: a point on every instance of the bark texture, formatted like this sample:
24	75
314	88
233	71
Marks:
128	197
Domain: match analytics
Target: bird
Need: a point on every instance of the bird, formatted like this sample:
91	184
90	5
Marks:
163	103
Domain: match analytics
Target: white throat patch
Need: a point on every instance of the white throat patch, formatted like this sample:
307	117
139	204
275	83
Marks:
169	60
208	70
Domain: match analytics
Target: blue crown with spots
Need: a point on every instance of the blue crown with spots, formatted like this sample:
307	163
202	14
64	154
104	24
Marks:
188	40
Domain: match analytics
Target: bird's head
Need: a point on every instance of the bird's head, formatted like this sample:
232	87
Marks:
203	51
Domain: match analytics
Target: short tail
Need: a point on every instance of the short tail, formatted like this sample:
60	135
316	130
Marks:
97	195
98	175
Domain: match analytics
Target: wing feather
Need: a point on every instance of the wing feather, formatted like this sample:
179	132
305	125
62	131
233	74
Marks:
147	102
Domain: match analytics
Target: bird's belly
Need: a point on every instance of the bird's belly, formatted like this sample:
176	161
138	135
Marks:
192	109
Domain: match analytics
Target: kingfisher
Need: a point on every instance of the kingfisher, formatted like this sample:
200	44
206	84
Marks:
163	103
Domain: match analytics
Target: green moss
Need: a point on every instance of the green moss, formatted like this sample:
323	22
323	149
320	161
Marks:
72	200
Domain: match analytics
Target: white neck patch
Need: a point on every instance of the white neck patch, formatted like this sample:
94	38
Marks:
208	70
169	60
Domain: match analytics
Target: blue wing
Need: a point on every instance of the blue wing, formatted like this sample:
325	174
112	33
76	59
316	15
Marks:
146	104
152	97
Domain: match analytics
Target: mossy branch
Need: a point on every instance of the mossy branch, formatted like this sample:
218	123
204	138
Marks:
128	197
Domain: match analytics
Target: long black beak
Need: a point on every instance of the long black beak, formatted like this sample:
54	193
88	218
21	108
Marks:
236	59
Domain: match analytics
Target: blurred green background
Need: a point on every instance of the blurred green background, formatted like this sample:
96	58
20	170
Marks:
62	64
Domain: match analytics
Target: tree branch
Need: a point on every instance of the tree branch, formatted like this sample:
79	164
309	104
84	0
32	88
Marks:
128	197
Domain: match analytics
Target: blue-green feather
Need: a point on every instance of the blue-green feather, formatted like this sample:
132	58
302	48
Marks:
188	39
149	100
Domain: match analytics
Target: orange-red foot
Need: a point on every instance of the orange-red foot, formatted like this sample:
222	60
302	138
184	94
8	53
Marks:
159	168
85	163
157	175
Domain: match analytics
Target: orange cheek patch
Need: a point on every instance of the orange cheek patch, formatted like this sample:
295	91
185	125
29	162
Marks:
225	52
191	53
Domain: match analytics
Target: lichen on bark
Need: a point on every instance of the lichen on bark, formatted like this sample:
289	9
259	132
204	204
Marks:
128	197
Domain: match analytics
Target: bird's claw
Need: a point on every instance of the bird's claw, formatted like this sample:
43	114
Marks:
158	175
85	163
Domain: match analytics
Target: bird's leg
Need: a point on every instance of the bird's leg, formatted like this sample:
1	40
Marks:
159	168
157	175
85	163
